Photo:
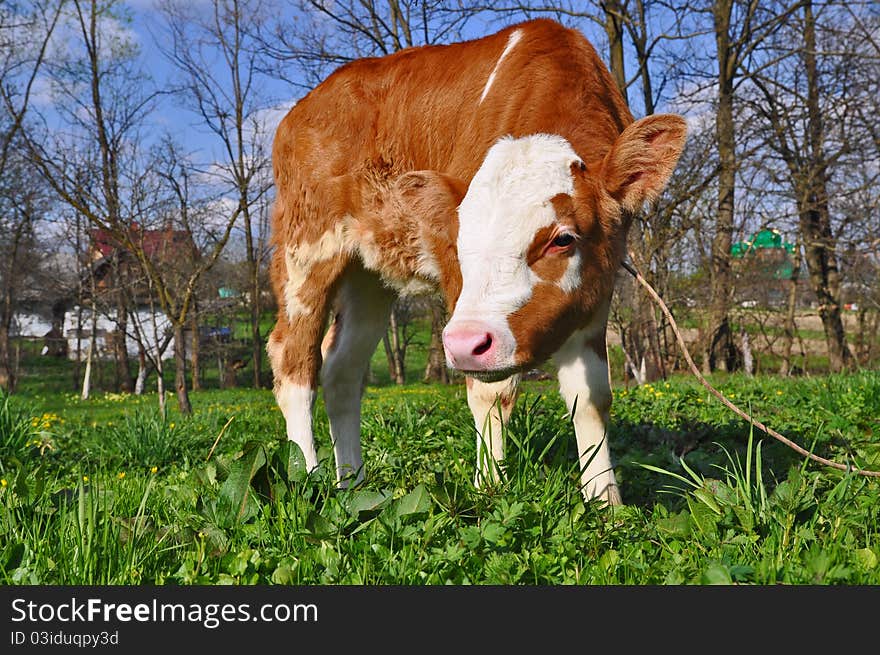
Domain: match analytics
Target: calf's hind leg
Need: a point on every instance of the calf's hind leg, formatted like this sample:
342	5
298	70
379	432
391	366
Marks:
294	346
361	312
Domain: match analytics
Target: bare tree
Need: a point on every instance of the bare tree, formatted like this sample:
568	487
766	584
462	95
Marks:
797	99
101	106
25	30
229	102
320	35
94	165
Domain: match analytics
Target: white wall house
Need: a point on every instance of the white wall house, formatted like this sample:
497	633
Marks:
30	324
152	328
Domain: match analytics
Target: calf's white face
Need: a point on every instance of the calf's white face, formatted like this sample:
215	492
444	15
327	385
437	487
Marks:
508	206
540	238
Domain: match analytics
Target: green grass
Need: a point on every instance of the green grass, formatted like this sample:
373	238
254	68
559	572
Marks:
104	491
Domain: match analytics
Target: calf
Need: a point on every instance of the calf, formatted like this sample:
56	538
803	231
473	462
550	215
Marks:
502	171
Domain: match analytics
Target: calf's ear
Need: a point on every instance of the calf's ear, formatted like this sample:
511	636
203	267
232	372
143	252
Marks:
642	159
432	198
430	195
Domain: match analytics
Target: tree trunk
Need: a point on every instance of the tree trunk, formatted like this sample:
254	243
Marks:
393	350
7	376
720	352
79	300
790	327
643	53
196	348
7	373
160	387
123	366
614	31
823	276
389	357
637	373
436	370
866	337
142	371
8	370
93	344
819	243
256	342
748	360
180	385
644	341
254	272
78	362
87	377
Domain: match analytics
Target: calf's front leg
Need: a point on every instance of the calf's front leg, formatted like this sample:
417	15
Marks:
583	382
491	404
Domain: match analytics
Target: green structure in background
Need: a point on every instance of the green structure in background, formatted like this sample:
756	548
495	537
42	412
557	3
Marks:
766	244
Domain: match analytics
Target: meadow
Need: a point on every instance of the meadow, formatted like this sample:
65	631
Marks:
107	491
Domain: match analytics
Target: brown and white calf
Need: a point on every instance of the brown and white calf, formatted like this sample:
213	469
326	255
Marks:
503	171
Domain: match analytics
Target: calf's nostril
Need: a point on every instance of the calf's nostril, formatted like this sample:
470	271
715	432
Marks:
484	346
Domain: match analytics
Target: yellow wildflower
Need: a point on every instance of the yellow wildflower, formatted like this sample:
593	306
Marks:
85	478
3	482
120	475
154	469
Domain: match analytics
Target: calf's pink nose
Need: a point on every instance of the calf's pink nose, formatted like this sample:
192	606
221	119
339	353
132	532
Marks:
469	345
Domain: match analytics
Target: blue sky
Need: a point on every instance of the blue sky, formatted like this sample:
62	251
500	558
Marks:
147	26
172	116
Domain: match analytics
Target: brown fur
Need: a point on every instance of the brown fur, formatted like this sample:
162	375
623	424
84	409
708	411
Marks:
345	154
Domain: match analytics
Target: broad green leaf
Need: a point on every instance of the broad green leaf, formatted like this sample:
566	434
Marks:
292	462
284	574
21	485
236	490
365	501
493	532
706	497
217	539
745	516
704	518
723	493
415	502
12	556
609	560
716	573
319	528
677	525
867	558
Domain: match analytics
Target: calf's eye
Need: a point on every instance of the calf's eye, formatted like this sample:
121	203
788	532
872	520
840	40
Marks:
563	240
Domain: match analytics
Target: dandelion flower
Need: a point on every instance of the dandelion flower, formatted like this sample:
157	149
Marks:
154	469
85	478
3	482
120	475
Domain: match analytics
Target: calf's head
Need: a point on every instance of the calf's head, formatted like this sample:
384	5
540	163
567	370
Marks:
540	237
